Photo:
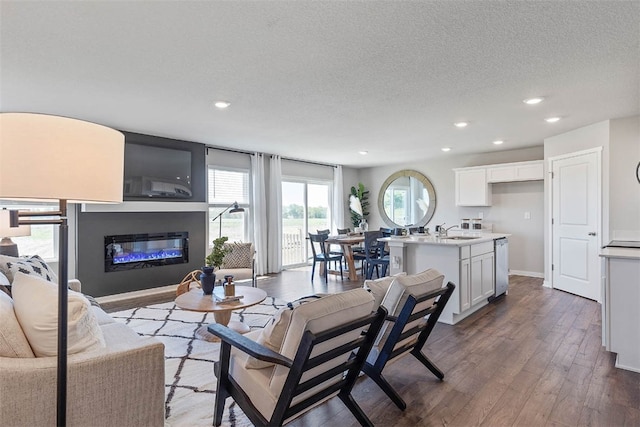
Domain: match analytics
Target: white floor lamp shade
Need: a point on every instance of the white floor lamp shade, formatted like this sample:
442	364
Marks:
45	157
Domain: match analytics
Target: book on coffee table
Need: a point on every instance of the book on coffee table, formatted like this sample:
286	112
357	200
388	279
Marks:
223	299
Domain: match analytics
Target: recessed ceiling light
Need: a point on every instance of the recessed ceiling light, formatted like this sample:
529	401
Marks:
461	124
552	119
533	101
222	104
445	149
364	153
498	142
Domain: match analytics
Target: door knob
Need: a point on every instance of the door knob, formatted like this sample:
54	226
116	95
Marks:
593	233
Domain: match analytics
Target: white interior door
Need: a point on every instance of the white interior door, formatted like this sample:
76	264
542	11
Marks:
575	224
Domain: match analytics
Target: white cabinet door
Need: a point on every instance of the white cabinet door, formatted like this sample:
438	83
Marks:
529	171
472	188
476	280
488	275
501	174
482	277
463	288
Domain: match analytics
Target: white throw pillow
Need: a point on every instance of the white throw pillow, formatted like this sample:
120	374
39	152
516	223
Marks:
13	343
36	307
379	287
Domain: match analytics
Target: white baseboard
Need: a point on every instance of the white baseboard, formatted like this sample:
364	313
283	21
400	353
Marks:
136	294
527	273
547	284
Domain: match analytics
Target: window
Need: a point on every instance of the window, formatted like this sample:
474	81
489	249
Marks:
305	209
43	240
226	186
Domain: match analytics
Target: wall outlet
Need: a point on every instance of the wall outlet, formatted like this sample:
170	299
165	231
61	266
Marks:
481	215
527	215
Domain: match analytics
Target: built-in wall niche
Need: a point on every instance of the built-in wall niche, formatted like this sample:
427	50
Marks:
130	251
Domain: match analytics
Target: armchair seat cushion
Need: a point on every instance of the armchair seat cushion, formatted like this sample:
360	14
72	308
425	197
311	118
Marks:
237	273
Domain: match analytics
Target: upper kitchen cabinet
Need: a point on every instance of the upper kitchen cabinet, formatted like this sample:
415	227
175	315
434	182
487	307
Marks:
473	184
521	171
472	188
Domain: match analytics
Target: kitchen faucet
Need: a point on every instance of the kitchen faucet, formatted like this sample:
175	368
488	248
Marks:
443	232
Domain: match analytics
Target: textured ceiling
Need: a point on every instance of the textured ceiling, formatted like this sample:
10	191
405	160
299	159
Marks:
323	80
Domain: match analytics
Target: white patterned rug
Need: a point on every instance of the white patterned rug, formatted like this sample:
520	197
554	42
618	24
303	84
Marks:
189	380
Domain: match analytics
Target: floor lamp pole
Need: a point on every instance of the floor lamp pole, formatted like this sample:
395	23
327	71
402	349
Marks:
63	279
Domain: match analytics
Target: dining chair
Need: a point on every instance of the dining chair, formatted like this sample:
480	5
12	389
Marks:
321	254
374	254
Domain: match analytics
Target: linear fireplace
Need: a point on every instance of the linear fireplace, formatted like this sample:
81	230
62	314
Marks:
130	251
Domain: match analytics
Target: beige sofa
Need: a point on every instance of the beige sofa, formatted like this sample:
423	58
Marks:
119	385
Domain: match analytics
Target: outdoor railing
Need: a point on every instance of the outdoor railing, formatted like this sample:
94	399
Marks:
293	248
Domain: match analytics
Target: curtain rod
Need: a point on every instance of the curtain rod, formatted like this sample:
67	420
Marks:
232	150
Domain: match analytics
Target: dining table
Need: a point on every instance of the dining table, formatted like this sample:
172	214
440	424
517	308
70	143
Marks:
347	242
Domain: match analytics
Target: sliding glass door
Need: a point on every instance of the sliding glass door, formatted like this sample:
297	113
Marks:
305	208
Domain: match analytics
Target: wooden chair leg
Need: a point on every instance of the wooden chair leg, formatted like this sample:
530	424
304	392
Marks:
428	363
221	396
313	269
385	386
355	409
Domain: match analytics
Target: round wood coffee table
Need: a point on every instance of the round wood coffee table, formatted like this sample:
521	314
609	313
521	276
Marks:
195	300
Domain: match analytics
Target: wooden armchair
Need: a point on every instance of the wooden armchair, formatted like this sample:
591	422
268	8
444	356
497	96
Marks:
415	304
240	263
313	364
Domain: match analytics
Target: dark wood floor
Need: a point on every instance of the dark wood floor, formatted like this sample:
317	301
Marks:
532	358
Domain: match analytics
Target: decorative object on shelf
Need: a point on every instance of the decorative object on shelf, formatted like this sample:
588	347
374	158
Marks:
66	144
7	246
207	280
236	209
358	204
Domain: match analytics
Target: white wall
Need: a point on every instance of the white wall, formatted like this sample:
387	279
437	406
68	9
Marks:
624	188
507	213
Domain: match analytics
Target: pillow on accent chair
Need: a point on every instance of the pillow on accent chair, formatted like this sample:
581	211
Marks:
13	343
36	306
379	287
241	256
272	335
28	265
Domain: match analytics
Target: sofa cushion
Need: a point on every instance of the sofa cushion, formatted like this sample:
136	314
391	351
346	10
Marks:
33	265
241	255
36	307
4	284
13	343
379	287
274	332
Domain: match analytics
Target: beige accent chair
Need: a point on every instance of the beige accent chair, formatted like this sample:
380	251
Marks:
240	263
119	385
313	363
414	303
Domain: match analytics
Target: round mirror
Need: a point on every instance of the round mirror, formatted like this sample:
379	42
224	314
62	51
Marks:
407	198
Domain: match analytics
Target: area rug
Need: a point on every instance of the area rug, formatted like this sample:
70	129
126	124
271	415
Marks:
190	384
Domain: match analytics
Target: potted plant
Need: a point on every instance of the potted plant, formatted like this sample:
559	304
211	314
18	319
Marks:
213	261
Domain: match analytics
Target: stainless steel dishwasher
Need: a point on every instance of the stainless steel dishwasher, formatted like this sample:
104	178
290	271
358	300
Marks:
502	266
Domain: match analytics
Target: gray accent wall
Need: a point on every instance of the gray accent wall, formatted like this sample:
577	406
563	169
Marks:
92	227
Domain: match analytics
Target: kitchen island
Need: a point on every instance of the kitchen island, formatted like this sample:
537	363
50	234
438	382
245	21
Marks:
466	259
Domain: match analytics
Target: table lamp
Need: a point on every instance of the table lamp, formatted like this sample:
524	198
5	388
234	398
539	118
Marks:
7	246
44	157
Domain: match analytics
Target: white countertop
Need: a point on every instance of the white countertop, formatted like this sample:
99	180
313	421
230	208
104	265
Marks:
631	253
434	240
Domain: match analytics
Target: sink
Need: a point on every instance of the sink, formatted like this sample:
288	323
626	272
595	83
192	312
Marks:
462	237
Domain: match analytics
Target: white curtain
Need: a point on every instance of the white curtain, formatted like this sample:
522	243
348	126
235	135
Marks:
274	253
259	206
337	210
